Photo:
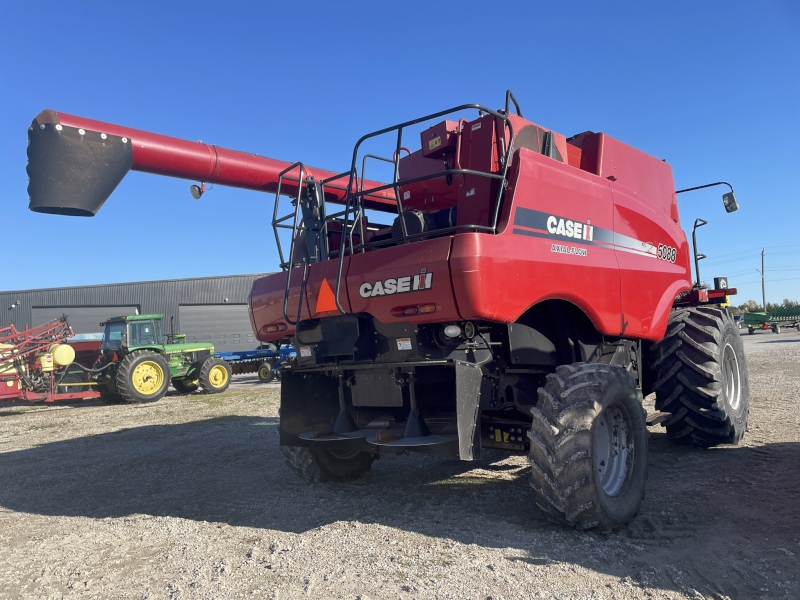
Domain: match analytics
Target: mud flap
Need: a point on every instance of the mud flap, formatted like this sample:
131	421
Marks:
468	394
307	399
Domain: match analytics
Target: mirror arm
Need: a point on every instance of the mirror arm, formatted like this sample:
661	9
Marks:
700	187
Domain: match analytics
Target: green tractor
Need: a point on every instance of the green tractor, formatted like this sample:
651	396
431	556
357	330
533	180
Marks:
137	366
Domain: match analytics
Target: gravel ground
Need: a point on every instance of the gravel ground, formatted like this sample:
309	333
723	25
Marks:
190	498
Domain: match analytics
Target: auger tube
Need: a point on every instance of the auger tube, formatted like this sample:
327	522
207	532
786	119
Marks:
74	164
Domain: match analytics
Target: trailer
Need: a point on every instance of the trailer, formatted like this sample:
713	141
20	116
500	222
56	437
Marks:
777	319
266	361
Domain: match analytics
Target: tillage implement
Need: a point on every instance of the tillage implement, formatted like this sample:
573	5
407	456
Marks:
504	287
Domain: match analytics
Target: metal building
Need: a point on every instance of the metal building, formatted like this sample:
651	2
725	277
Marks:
205	309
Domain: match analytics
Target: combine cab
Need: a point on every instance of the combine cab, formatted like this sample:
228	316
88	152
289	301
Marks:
507	288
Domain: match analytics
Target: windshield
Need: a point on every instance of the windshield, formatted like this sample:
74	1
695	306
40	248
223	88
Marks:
143	333
112	337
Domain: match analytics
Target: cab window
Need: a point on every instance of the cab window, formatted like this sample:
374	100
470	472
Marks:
113	335
142	333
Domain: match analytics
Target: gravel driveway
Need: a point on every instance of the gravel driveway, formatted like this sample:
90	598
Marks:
190	498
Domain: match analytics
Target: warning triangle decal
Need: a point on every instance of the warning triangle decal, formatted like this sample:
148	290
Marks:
325	300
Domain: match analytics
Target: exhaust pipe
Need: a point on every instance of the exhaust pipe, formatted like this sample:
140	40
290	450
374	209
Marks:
74	165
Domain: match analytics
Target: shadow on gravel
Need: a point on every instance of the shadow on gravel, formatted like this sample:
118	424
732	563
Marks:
706	514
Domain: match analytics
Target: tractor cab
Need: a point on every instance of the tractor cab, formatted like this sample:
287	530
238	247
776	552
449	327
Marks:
132	332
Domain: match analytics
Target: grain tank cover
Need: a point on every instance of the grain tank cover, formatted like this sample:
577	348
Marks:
73	171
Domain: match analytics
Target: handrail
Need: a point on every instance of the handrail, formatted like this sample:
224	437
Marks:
355	194
397	183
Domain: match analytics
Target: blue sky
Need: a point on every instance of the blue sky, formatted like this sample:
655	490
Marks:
712	87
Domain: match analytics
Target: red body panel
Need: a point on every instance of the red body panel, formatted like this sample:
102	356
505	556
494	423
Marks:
400	262
615	276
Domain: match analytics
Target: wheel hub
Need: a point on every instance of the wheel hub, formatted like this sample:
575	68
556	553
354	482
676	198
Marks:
613	449
731	377
218	376
148	377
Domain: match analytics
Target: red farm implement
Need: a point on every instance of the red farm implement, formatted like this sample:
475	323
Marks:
38	365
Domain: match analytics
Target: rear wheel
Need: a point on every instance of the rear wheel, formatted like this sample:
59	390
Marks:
142	376
700	377
215	376
186	386
73	377
265	373
326	465
588	447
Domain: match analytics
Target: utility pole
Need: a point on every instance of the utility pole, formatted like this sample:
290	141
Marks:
763	292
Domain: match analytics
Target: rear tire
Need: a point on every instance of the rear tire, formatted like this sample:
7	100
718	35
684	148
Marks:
324	465
142	376
73	377
215	376
700	377
588	447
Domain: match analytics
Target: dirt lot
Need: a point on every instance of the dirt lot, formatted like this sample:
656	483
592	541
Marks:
190	498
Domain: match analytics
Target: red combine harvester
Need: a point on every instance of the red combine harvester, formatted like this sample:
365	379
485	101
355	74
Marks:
38	365
522	292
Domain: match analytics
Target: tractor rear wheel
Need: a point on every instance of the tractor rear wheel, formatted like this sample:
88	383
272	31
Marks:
700	377
588	447
326	465
142	376
265	373
186	386
215	376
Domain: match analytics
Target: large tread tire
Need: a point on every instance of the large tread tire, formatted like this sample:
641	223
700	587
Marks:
73	376
215	376
315	464
186	386
578	407
699	375
107	394
126	372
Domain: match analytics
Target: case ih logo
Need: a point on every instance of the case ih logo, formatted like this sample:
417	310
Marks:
399	285
570	229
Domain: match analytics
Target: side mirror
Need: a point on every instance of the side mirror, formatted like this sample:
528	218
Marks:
197	191
729	201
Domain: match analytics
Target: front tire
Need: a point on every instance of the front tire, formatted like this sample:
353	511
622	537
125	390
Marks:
700	376
142	376
215	376
588	447
324	465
